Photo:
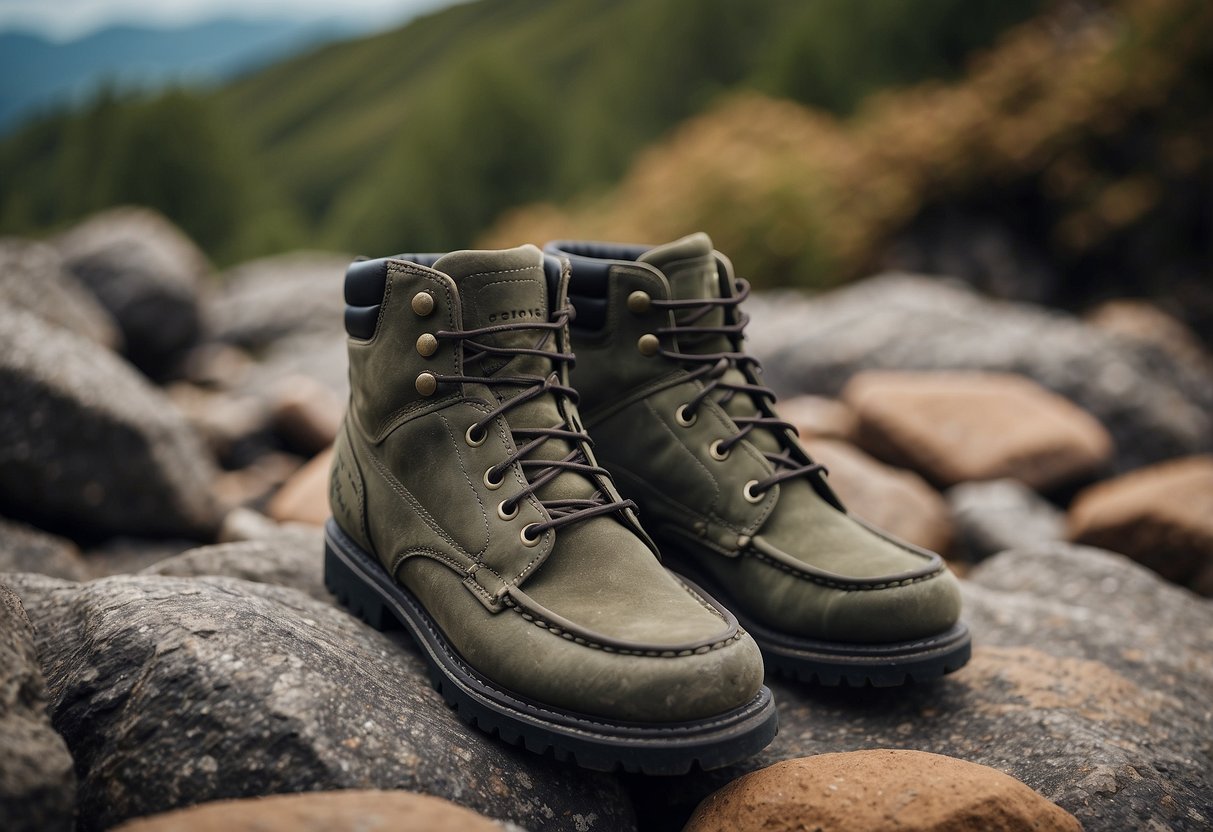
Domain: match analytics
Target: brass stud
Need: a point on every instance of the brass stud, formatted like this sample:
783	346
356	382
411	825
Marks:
427	344
526	539
503	514
648	344
426	384
639	302
750	495
423	303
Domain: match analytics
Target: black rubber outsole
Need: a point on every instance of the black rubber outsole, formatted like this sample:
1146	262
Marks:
365	588
835	664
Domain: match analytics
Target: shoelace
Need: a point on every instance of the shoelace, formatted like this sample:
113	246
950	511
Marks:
712	368
561	512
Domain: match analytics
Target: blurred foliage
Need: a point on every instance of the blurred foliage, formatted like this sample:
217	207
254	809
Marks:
420	137
171	152
1086	130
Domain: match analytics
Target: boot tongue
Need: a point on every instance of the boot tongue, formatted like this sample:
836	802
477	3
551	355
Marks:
689	264
511	287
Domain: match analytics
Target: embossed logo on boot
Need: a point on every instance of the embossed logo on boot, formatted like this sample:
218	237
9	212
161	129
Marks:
507	315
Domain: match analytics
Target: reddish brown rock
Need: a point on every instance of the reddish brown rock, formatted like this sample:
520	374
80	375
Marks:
306	414
820	416
304	498
896	500
955	427
1149	326
878	789
363	811
1161	516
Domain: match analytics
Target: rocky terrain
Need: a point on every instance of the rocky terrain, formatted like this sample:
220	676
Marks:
168	653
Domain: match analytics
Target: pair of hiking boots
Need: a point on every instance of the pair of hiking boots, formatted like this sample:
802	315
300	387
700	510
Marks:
471	506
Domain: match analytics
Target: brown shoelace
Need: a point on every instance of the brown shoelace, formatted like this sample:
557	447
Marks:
713	366
561	512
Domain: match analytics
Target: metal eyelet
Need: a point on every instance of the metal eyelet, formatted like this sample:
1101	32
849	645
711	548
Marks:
749	493
490	483
681	417
526	539
502	513
472	442
716	453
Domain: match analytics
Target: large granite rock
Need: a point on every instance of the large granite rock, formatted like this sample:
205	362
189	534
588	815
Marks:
174	691
32	277
1154	406
86	443
293	558
909	791
894	499
147	273
957	427
345	811
1161	516
26	549
1089	682
997	515
264	300
37	783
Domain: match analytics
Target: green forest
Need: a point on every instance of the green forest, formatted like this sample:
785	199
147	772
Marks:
422	137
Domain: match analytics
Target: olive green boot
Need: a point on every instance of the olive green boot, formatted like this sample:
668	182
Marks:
468	507
688	430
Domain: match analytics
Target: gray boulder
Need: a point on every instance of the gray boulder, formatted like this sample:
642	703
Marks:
294	557
176	691
32	277
37	782
86	443
1154	406
267	299
1089	682
26	549
147	273
996	515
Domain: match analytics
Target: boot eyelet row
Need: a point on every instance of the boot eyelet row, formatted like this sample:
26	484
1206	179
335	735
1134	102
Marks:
716	453
493	484
683	418
526	539
503	514
472	439
750	494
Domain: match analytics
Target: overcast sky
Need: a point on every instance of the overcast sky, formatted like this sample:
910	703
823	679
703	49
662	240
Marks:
65	19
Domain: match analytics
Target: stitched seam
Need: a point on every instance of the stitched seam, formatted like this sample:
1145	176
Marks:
715	486
543	624
396	486
826	582
727	423
463	470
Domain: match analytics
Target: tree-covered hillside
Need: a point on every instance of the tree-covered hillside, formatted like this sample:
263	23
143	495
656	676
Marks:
420	137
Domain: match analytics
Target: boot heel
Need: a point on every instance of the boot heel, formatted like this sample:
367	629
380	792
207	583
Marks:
353	593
